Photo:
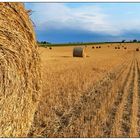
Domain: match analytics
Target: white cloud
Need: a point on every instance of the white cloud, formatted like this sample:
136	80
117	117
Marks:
87	18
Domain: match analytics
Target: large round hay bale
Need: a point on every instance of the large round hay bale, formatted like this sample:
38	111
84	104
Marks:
137	49
19	71
79	52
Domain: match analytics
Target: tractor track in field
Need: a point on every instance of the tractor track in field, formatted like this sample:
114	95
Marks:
138	102
135	102
106	105
104	127
93	98
119	120
127	110
129	118
122	120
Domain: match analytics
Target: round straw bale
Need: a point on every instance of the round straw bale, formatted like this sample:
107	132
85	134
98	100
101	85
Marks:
118	47
92	47
19	71
50	48
137	49
79	52
97	47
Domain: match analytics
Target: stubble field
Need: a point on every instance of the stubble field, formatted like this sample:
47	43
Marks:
96	96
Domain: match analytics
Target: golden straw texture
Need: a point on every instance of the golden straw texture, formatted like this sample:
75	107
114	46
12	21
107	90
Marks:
20	77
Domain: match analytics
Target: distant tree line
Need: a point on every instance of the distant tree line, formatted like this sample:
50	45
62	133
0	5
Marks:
45	43
131	41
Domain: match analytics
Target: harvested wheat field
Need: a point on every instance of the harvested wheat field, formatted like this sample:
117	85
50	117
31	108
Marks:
94	96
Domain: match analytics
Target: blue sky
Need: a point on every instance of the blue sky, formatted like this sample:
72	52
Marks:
85	22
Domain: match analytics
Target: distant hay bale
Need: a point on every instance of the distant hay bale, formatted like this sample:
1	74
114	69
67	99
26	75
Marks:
50	48
19	71
79	52
115	47
118	47
137	49
97	47
92	47
125	48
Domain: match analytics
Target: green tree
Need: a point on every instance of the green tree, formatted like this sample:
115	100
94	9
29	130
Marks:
134	40
123	41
